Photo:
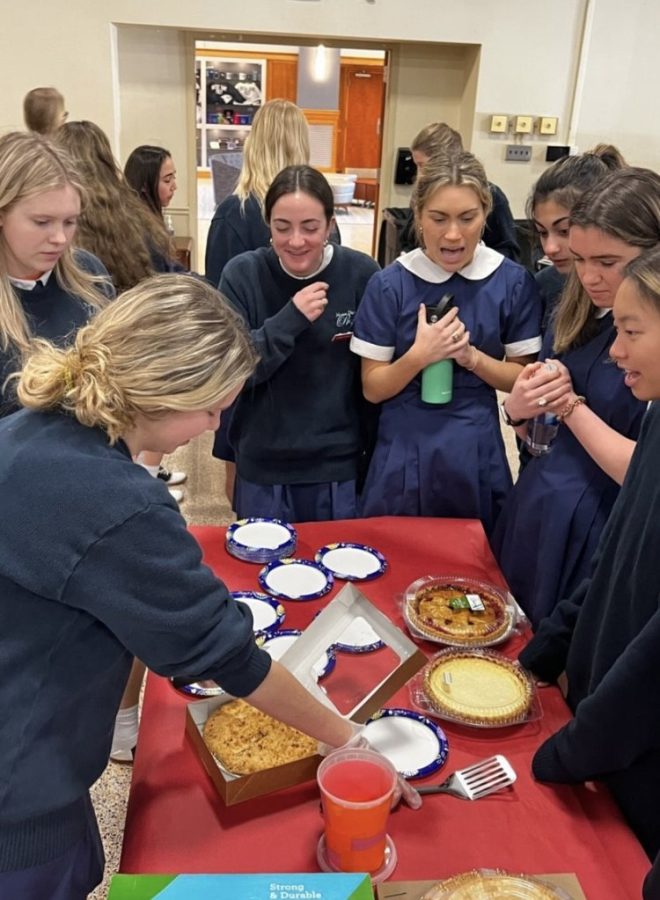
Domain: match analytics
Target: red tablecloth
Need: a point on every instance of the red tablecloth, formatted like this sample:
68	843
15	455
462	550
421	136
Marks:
177	823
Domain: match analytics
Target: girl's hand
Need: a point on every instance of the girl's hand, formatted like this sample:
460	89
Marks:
312	300
441	340
540	387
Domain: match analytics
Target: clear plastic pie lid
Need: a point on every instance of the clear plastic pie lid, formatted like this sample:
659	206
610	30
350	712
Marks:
466	612
479	688
490	884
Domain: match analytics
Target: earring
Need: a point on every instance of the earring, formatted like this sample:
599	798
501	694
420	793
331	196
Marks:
325	242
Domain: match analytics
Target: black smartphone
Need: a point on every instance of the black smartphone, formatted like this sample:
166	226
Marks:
434	313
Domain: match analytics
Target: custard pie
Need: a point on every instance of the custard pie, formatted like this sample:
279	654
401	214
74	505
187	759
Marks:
460	612
491	886
478	688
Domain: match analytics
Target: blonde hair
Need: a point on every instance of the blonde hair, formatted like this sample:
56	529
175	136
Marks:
171	343
437	138
279	137
115	225
43	109
30	165
625	206
460	170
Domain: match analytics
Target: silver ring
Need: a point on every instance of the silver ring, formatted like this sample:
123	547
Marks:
456	336
543	401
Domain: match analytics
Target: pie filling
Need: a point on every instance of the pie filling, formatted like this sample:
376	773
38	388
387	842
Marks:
458	615
490	886
245	740
478	689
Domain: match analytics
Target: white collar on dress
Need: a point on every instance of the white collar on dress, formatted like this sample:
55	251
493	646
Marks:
26	284
328	251
484	262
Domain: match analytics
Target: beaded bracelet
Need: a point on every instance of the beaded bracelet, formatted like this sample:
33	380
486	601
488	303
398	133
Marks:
568	409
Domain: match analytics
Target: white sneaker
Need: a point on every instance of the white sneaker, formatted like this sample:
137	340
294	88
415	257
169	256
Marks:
171	478
176	494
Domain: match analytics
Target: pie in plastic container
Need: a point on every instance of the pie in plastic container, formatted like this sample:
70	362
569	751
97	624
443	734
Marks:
476	687
458	611
486	884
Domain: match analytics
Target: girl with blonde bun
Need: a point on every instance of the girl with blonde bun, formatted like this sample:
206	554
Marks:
97	566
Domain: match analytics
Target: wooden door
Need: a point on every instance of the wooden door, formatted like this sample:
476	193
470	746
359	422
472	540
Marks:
282	78
361	104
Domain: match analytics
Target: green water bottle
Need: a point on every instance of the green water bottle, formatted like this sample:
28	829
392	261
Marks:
438	377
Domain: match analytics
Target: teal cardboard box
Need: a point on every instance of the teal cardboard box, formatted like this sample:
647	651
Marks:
241	887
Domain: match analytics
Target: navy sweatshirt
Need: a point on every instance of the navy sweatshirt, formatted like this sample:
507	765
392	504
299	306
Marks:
96	567
606	637
51	313
300	419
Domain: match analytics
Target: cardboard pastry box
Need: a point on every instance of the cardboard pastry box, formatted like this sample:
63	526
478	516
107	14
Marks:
246	887
358	686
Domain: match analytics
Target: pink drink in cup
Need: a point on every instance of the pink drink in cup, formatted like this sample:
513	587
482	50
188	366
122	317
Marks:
356	791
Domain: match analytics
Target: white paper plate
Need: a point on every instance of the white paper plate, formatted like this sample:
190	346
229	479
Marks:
278	643
296	579
358	637
414	744
267	614
352	562
260	534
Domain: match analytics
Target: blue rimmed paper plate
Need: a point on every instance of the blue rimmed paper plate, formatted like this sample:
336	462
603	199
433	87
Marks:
358	637
295	579
278	643
351	562
259	540
267	613
199	689
415	745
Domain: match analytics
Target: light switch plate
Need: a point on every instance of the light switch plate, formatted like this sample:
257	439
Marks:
499	124
548	125
523	125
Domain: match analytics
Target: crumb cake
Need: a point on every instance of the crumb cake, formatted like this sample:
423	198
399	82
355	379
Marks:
491	886
463	614
478	688
245	740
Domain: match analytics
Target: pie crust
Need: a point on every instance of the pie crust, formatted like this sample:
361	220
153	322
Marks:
245	740
437	610
478	688
491	886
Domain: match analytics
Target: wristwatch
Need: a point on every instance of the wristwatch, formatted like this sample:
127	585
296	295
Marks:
506	418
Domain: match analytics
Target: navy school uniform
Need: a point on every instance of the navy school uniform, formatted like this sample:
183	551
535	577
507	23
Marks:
552	521
446	460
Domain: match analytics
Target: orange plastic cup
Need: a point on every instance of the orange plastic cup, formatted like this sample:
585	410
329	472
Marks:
356	793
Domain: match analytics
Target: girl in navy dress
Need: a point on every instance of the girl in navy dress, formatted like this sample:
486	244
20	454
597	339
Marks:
549	207
444	460
553	519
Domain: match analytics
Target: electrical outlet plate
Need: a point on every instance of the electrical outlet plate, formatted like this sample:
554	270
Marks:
548	125
518	153
523	125
499	124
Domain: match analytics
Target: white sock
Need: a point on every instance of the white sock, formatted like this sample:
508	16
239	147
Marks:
152	470
126	729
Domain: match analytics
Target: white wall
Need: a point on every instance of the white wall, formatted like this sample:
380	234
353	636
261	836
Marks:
528	61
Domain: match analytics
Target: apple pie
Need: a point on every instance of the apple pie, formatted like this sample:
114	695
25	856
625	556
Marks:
478	688
245	740
491	886
463	613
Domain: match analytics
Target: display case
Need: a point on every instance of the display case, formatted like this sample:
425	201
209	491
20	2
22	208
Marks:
229	93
